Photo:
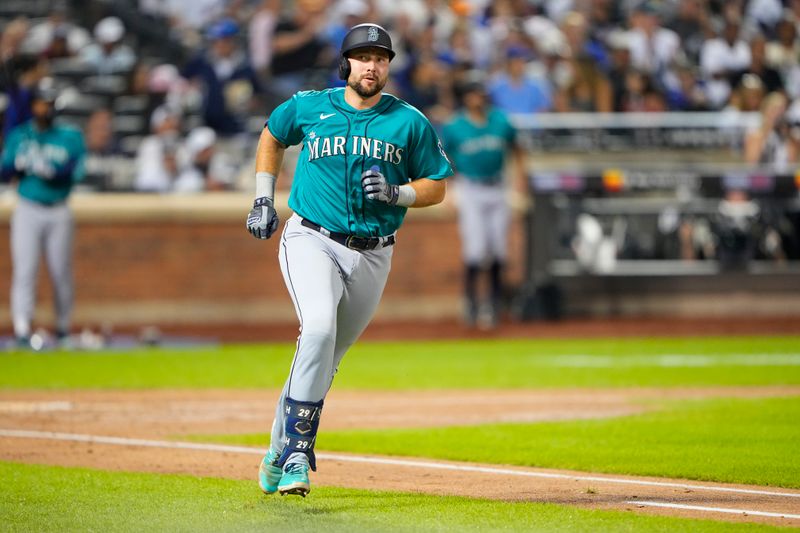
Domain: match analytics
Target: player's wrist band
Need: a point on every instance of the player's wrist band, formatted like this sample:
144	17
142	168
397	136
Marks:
263	200
406	196
265	184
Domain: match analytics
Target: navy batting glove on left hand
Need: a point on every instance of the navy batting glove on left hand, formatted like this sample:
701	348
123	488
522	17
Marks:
377	188
262	221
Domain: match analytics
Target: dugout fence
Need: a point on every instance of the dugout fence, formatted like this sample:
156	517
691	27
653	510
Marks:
656	214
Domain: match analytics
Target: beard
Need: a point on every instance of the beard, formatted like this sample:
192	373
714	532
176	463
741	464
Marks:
366	93
45	120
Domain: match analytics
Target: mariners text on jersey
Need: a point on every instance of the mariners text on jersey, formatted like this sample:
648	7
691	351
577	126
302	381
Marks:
338	143
357	145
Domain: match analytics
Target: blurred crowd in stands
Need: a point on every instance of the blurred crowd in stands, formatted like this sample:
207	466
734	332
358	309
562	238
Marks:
167	83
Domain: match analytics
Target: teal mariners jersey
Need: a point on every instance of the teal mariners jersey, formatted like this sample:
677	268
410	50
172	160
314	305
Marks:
478	150
60	149
339	143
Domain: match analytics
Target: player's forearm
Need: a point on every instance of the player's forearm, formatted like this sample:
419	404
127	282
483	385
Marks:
429	192
521	170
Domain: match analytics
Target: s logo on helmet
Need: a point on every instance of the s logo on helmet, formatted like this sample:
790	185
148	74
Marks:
372	34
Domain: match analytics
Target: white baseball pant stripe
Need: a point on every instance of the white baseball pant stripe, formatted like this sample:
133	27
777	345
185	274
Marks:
335	291
483	219
36	227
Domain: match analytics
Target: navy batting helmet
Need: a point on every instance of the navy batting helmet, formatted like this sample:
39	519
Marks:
363	36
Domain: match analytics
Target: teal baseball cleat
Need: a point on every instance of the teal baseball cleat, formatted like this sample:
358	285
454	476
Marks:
268	474
295	480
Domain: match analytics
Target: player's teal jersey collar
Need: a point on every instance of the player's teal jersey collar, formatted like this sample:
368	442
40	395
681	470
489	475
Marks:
338	101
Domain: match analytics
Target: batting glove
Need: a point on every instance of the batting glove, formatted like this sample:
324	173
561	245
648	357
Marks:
262	221
41	168
21	163
377	188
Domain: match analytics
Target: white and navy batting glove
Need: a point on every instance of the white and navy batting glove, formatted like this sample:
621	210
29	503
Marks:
262	221
377	188
43	169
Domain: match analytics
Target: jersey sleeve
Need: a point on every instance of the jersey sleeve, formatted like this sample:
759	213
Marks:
283	123
447	138
9	154
428	158
79	158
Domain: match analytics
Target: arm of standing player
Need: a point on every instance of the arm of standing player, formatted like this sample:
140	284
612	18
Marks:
262	221
520	184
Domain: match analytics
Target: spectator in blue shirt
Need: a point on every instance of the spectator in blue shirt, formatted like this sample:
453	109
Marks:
514	91
25	73
218	68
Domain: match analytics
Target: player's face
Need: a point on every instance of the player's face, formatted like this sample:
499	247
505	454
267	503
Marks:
369	71
475	100
43	111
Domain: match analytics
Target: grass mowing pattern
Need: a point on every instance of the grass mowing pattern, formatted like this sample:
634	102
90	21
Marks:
428	365
39	498
727	440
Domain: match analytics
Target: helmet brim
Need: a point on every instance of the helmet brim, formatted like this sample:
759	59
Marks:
347	52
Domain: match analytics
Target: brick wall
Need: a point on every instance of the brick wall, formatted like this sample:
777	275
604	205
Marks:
143	259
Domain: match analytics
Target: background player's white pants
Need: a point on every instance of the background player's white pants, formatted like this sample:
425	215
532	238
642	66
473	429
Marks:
36	227
335	291
483	218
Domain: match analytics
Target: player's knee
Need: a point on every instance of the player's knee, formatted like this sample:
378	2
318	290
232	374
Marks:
318	346
319	323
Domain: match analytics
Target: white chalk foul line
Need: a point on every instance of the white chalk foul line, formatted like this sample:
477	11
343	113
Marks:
34	407
712	509
673	360
125	441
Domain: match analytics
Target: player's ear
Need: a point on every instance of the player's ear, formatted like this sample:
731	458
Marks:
344	68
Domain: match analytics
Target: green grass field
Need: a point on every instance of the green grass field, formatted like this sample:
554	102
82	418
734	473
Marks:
431	365
726	439
37	498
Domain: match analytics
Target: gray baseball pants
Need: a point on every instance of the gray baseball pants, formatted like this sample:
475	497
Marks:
35	228
335	291
483	219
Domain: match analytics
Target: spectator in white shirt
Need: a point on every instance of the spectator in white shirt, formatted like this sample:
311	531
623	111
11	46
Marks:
653	47
203	167
766	13
260	31
783	53
108	55
156	159
721	60
41	36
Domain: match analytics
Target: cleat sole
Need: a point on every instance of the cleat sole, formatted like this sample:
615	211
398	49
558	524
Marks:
298	489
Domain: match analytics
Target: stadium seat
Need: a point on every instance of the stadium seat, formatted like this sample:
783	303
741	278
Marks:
129	125
112	85
131	105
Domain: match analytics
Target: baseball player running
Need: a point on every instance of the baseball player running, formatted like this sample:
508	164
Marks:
479	140
47	159
366	157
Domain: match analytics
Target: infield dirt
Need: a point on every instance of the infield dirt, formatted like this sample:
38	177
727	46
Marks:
168	414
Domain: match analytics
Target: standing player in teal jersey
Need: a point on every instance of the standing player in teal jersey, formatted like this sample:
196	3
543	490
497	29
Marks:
366	158
480	139
47	159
